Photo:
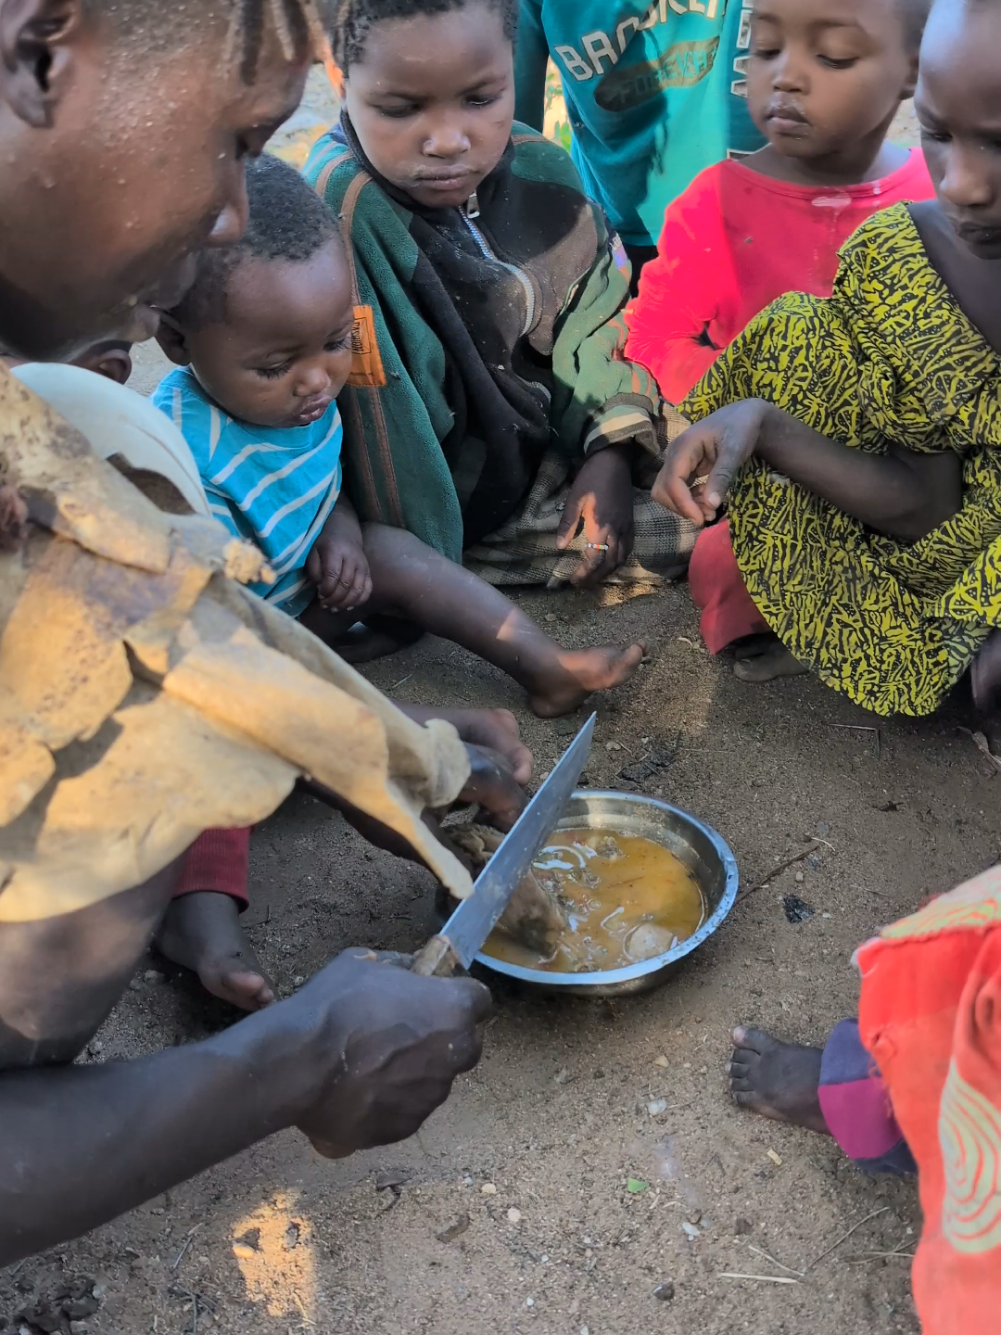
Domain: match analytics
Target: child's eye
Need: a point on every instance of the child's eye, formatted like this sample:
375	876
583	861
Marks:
342	344
833	64
397	113
935	136
482	101
765	52
273	372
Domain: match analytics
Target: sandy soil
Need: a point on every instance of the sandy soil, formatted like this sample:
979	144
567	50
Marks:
510	1211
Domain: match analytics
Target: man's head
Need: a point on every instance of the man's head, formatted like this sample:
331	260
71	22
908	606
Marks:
958	103
826	76
267	325
124	127
430	90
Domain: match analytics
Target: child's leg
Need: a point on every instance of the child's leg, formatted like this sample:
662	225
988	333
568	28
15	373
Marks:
729	617
411	580
201	929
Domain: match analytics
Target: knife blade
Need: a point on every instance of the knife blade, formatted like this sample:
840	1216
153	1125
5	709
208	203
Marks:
460	940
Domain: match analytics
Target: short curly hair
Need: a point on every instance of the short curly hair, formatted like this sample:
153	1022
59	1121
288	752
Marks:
288	221
353	20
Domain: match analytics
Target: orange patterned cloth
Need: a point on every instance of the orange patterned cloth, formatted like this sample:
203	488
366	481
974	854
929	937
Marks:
930	1015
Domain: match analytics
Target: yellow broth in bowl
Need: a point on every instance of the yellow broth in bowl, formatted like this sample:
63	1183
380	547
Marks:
627	899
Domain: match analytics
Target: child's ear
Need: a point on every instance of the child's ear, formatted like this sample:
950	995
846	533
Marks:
172	340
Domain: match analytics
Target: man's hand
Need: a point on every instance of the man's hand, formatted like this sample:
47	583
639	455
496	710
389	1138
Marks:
492	784
602	498
701	464
337	565
496	729
394	1044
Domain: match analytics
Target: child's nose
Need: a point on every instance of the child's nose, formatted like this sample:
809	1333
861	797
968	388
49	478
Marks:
447	139
789	76
966	183
312	380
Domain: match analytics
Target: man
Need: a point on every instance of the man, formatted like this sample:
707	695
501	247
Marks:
655	93
124	125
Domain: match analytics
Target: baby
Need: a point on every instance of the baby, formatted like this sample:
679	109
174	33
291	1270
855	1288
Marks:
263	343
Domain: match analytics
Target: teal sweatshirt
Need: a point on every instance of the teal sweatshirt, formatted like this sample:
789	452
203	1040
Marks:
655	94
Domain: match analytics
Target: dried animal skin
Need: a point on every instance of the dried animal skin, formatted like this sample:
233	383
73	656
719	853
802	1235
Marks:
145	697
534	915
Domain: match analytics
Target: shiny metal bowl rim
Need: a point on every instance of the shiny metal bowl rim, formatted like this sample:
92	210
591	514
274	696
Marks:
606	978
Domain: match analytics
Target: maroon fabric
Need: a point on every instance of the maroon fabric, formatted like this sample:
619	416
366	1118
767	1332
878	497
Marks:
718	589
218	860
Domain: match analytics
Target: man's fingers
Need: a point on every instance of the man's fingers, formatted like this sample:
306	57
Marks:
477	999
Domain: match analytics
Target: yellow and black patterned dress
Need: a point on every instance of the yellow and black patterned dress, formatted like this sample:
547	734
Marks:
889	358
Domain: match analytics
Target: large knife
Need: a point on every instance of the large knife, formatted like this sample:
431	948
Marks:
459	941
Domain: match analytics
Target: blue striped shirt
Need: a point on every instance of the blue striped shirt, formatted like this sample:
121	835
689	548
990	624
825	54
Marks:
275	486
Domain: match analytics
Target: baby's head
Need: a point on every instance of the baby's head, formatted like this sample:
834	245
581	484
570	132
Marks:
267	326
958	103
429	88
826	75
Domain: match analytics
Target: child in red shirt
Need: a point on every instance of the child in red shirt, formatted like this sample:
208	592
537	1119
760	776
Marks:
825	80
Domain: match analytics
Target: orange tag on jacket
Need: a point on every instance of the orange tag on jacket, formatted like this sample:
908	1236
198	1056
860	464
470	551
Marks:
366	361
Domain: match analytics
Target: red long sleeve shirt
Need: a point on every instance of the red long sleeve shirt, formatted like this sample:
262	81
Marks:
733	243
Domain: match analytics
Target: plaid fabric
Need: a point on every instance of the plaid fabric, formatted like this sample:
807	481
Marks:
523	551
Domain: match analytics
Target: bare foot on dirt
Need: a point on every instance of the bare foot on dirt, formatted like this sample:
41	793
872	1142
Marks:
202	932
580	672
777	1080
764	658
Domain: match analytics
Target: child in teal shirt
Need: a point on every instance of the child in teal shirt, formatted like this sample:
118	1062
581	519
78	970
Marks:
655	94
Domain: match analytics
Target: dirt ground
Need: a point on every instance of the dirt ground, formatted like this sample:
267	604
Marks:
556	1118
510	1211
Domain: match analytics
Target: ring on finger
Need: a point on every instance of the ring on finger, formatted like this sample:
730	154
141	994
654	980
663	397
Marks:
596	546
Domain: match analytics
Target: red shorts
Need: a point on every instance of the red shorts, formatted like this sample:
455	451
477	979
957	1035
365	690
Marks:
218	860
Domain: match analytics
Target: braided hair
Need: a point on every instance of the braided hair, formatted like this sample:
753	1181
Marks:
165	24
354	19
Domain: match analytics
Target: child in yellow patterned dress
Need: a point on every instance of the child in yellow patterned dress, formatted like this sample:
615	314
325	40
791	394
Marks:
857	440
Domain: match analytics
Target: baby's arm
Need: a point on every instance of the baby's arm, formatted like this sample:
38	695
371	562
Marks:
337	565
901	493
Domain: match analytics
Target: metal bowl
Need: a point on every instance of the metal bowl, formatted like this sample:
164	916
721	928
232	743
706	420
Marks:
696	845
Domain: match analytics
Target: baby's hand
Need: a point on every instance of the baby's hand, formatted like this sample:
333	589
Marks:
338	567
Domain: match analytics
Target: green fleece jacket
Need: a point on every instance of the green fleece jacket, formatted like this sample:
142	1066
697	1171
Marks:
484	337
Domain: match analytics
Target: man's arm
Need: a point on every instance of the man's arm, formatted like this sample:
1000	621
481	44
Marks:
359	1056
531	58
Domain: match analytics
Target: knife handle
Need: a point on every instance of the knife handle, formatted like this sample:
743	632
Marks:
437	959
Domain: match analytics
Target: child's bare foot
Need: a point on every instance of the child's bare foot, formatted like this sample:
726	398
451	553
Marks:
763	658
577	673
202	932
777	1080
